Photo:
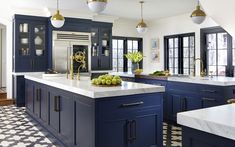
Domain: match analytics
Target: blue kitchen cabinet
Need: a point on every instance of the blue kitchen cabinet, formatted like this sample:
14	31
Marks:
37	100
19	90
44	103
136	121
61	114
29	95
30	43
197	138
101	50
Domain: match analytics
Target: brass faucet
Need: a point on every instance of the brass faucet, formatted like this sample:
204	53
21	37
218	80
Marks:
71	73
203	71
80	58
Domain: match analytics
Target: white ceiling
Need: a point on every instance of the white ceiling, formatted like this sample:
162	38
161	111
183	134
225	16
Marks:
153	9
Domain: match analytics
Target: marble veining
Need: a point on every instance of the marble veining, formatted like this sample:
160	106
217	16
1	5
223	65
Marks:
218	120
84	86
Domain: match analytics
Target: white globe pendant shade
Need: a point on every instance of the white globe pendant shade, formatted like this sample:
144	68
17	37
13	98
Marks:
97	6
198	19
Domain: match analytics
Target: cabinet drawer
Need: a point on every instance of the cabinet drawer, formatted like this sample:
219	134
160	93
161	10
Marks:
211	91
180	86
117	107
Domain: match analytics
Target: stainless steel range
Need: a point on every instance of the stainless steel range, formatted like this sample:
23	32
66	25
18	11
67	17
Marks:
66	44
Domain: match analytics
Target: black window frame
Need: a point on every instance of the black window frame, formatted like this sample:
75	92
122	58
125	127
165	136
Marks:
180	51
125	49
229	71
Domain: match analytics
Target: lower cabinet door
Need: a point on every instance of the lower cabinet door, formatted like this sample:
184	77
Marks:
29	89
146	129
44	103
114	133
66	117
37	97
62	115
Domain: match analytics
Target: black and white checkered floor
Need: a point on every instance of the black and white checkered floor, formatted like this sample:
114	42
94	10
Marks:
17	129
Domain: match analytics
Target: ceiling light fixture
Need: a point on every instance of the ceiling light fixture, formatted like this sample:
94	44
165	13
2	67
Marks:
198	16
57	20
141	27
97	6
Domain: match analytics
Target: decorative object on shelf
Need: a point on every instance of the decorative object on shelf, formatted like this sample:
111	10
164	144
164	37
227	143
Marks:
104	42
36	30
57	20
39	52
155	50
198	16
107	81
97	6
141	27
25	27
24	40
135	58
38	40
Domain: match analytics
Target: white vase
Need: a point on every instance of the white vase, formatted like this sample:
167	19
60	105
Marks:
38	40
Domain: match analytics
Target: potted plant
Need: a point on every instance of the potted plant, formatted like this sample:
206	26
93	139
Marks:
135	58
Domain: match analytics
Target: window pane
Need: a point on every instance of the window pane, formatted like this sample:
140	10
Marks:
176	52
233	43
114	62
186	62
135	45
186	71
171	71
171	44
176	42
120	44
191	52
186	53
222	57
120	53
120	69
129	45
120	63
211	41
170	62
176	71
222	40
176	62
114	44
186	43
171	51
212	57
221	70
114	53
233	57
192	63
191	43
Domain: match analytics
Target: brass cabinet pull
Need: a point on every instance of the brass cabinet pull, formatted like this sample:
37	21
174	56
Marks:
208	99
133	130
231	101
56	103
132	104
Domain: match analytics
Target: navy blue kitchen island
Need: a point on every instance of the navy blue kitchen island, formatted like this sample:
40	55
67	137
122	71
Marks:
83	115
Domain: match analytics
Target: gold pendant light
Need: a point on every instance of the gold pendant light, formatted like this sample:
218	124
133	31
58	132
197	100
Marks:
141	27
57	20
198	16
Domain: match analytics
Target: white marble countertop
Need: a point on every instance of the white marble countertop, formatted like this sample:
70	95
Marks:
218	81
84	86
24	73
218	120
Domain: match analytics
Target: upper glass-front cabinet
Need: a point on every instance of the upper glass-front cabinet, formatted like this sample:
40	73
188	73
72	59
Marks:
105	42
24	39
39	40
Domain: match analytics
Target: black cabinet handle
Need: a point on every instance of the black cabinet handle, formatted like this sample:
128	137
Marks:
208	99
133	130
56	103
128	130
210	91
38	94
132	104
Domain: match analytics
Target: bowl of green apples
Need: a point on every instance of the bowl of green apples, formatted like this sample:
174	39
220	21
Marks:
107	81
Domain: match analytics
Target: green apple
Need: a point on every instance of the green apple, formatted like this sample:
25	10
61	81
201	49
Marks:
103	81
119	81
98	82
108	82
114	81
116	77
